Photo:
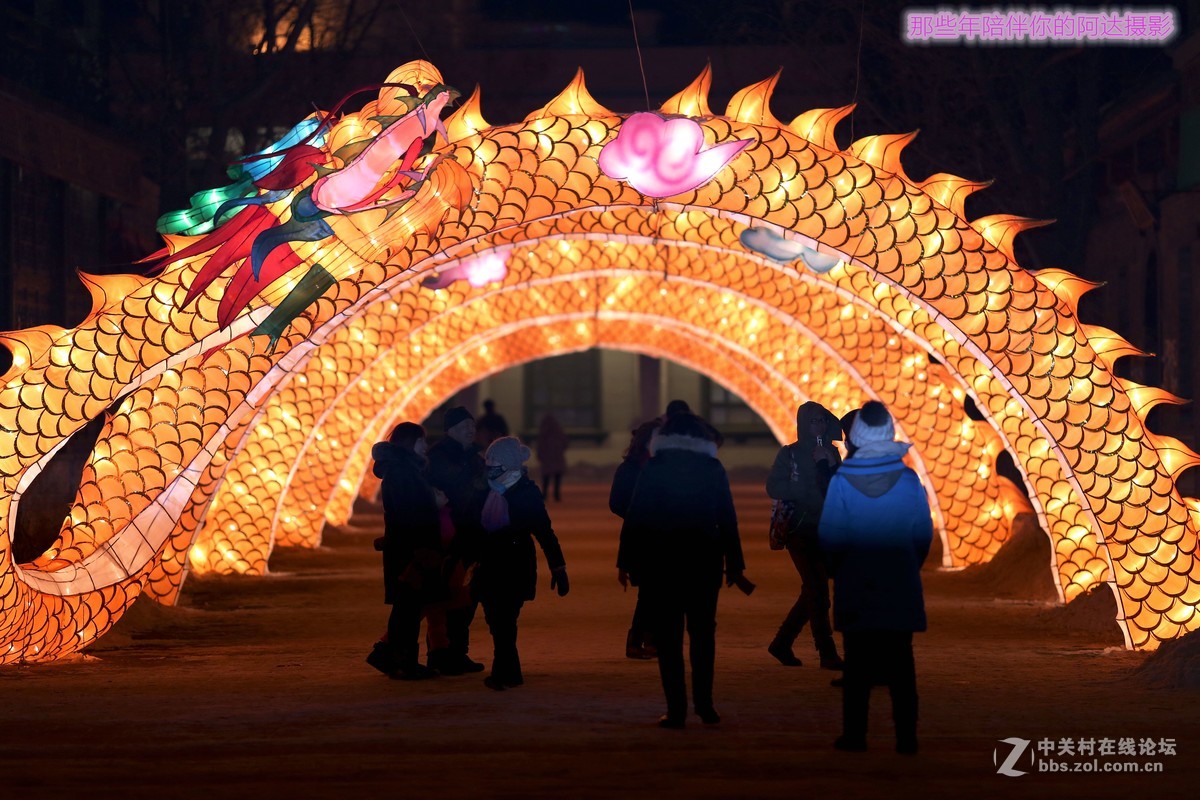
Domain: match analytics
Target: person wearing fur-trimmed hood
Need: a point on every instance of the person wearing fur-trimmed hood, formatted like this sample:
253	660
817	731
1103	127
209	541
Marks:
876	531
680	534
513	515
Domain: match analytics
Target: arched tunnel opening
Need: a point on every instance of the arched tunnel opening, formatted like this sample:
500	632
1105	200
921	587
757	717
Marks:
795	270
603	393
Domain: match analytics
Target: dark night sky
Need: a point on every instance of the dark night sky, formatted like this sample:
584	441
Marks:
1030	118
1025	116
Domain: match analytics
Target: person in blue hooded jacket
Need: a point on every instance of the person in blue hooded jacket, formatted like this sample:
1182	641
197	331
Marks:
876	531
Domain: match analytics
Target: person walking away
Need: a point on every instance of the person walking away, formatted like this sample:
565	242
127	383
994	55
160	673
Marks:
505	578
491	426
456	468
801	474
639	643
551	452
640	639
411	547
680	534
876	530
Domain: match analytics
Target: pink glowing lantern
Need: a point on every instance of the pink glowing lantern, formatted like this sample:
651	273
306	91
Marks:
485	268
662	157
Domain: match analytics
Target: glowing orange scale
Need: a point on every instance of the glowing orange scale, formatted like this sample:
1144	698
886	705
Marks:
207	463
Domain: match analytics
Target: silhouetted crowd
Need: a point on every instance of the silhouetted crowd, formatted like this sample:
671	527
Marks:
459	528
461	519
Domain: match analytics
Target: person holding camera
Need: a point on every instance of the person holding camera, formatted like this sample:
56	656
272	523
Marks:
680	534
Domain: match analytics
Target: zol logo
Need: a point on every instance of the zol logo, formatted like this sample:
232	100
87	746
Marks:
1018	748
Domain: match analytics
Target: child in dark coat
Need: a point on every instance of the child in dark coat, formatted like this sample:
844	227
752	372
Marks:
514	514
456	468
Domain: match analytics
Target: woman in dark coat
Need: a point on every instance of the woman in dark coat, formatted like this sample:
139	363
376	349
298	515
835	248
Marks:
680	534
411	548
801	475
639	643
514	514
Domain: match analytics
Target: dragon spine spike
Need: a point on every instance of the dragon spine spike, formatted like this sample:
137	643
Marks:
466	119
108	289
419	73
951	190
692	101
1067	287
176	242
1109	345
753	104
27	346
1145	398
1014	498
1176	456
883	151
1000	230
817	125
1193	507
571	101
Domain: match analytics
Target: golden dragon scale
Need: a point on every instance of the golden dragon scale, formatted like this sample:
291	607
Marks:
216	446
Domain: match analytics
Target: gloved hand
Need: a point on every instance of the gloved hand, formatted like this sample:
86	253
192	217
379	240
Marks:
743	583
559	581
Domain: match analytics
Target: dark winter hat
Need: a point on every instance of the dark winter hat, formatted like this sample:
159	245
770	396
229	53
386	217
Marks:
508	452
848	422
873	424
406	434
686	425
678	407
454	416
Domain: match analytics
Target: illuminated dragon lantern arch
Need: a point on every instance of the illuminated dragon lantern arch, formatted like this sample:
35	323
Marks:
371	263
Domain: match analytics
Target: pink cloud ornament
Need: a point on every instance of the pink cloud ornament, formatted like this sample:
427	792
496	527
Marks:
663	157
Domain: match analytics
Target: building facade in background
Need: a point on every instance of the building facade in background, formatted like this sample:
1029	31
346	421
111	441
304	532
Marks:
600	396
1145	242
